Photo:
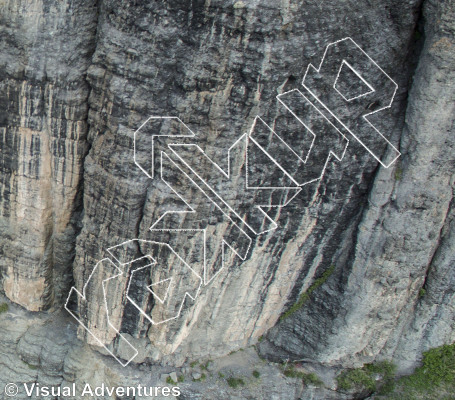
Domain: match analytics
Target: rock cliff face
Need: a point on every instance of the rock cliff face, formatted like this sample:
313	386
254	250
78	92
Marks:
403	239
77	78
45	53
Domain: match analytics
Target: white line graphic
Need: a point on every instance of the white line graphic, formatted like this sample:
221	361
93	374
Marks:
264	172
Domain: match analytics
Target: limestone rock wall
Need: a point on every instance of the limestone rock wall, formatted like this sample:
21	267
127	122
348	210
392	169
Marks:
217	65
78	78
45	52
397	291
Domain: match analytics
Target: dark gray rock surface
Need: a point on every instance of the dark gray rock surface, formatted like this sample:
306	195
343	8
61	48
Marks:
77	78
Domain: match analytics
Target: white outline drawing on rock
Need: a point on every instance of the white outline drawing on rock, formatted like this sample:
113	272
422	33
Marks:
210	193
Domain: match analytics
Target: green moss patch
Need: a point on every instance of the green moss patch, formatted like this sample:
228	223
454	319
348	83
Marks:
306	295
435	379
371	377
